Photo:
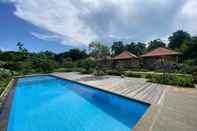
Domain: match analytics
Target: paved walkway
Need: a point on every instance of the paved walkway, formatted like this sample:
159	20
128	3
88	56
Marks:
172	108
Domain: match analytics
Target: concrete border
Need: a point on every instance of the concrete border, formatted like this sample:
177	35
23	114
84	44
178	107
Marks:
5	107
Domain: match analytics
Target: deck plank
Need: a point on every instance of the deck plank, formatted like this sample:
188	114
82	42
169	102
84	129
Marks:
172	108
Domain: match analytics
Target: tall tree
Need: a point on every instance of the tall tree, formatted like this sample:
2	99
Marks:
117	47
178	38
155	44
136	48
77	54
98	50
189	49
140	48
100	53
72	54
21	48
131	47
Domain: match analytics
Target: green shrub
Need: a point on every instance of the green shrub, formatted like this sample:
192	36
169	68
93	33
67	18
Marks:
5	73
194	75
186	69
88	63
189	62
60	70
12	65
3	83
114	72
99	73
178	80
69	64
64	70
44	66
84	71
69	70
182	81
151	75
132	74
148	76
5	76
2	63
139	69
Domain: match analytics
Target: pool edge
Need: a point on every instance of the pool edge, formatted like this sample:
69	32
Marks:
113	93
11	87
5	107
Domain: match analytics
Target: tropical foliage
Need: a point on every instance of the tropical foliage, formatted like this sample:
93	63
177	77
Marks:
155	44
25	62
136	48
178	80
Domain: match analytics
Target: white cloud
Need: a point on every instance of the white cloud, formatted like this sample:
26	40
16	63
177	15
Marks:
57	38
188	17
81	21
3	49
59	17
45	36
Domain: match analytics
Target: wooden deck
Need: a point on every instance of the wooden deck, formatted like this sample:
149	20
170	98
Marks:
172	108
130	87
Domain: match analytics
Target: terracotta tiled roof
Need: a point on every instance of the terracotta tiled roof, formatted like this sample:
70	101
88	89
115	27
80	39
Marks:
161	52
125	55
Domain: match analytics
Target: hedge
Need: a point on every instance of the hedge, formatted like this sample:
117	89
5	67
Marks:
132	74
114	72
178	80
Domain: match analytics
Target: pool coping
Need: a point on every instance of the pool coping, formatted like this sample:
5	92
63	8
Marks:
10	91
5	107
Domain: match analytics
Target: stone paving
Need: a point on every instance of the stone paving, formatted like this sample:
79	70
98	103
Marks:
172	108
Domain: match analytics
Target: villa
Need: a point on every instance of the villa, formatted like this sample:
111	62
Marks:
126	59
152	59
158	57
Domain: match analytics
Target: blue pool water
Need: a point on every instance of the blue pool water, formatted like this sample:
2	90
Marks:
46	103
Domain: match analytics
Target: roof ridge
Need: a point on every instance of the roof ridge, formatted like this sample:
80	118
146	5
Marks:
130	53
125	55
159	51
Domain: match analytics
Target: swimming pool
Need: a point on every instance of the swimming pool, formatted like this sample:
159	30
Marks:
47	103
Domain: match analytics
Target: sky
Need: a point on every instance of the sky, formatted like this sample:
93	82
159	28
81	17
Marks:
59	25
